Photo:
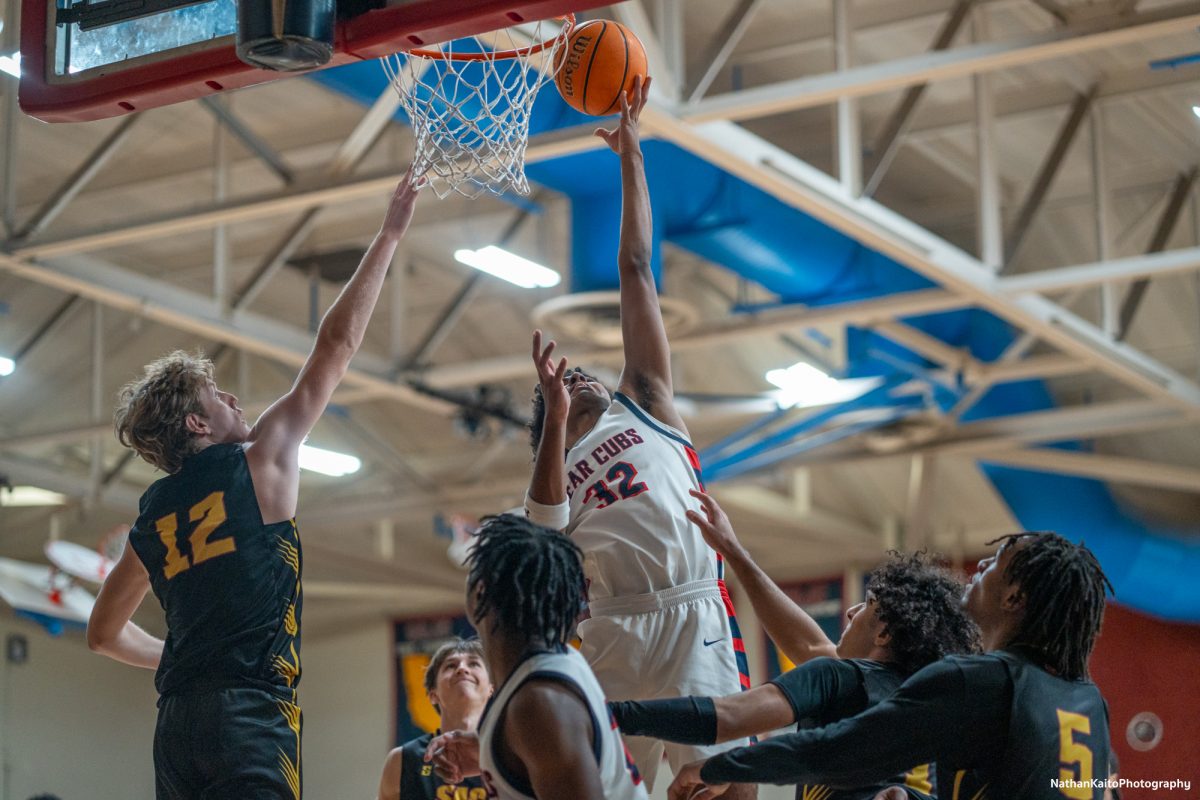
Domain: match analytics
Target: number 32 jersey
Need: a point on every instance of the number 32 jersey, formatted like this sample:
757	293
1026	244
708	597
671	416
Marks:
230	585
627	482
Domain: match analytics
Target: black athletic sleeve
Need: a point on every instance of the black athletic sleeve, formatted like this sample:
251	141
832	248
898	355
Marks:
686	720
954	711
823	688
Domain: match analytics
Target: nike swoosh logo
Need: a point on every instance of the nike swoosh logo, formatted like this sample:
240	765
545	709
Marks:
707	643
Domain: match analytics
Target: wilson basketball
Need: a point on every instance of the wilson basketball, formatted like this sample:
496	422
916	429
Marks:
599	61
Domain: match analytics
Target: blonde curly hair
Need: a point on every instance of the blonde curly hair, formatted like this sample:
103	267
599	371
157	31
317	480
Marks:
151	411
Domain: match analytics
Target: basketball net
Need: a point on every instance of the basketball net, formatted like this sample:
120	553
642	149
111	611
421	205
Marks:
469	103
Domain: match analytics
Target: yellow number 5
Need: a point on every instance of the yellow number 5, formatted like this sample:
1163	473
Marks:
210	513
1076	758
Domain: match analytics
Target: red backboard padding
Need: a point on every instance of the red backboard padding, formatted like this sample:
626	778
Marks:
190	75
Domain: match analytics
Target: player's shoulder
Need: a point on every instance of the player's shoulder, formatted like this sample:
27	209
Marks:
976	672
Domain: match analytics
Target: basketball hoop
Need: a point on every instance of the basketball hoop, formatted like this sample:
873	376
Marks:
470	100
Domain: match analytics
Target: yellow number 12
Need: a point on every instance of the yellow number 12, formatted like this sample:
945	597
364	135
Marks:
210	513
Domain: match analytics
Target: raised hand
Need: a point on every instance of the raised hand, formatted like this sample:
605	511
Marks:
550	377
404	201
714	525
624	137
454	755
688	785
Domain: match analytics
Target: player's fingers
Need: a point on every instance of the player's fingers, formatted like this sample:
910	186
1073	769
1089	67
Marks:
646	89
700	522
561	372
705	499
547	352
537	344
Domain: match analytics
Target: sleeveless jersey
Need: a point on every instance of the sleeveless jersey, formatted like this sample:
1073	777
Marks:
1057	731
618	775
627	482
418	781
230	585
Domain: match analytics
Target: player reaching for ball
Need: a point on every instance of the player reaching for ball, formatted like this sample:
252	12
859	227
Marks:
216	540
661	623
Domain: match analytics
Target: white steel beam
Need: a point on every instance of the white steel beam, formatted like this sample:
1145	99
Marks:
202	316
1115	469
817	90
1049	281
730	32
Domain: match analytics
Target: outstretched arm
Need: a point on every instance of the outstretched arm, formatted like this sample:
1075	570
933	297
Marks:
276	437
647	373
934	717
546	503
791	628
110	631
705	720
549	731
804	692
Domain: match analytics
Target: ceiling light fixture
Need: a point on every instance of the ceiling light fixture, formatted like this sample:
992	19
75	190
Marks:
1196	110
7	365
30	496
11	64
509	266
327	462
803	385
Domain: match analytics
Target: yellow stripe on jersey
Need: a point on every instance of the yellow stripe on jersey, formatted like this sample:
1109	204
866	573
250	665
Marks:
290	768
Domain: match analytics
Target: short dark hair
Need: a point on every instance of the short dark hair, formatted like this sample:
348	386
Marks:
920	606
1064	589
537	419
529	577
453	647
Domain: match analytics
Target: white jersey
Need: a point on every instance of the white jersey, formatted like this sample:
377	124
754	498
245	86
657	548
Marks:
627	482
618	776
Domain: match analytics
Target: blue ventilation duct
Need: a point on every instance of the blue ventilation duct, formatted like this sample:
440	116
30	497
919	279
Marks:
724	220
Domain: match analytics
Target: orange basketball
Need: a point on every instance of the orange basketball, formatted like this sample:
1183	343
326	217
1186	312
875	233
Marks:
599	61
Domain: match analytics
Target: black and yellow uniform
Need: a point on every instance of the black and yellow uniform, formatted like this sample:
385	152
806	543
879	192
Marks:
228	722
999	726
820	692
418	781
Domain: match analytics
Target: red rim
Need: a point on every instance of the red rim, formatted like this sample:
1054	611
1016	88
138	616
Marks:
499	55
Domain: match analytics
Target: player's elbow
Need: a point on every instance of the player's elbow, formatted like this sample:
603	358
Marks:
98	640
638	262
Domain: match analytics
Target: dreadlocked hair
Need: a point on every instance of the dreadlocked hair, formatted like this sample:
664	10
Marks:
1064	589
920	606
529	577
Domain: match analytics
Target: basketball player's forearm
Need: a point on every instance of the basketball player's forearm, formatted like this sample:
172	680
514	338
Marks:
793	631
345	323
637	224
135	647
548	483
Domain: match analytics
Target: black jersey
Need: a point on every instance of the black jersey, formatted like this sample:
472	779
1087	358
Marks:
825	690
998	725
230	585
418	781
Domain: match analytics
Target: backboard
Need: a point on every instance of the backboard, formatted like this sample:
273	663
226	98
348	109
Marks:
86	60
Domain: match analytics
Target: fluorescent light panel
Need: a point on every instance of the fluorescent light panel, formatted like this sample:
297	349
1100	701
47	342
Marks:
11	64
30	496
509	266
327	462
803	385
1196	110
7	365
